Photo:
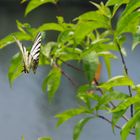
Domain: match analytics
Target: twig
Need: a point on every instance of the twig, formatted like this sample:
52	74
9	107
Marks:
97	84
117	126
69	78
126	71
70	65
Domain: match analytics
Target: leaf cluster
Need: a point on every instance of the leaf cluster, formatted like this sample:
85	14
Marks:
86	40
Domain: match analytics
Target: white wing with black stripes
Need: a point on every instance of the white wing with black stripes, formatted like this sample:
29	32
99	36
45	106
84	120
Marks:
31	58
35	51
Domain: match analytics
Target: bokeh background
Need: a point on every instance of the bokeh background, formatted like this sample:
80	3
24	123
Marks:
24	108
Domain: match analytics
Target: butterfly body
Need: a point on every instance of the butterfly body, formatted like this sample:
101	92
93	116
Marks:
27	63
30	59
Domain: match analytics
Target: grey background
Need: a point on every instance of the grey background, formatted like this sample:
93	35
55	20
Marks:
24	109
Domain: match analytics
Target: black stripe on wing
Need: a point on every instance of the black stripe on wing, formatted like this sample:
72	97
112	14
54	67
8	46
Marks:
35	50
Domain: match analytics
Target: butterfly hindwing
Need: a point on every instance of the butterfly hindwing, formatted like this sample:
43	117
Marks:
24	53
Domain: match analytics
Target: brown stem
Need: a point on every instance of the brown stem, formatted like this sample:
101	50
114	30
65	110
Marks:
69	78
70	65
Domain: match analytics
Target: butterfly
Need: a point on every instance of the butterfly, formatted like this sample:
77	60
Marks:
30	59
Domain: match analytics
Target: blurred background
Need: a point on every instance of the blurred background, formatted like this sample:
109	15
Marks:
24	108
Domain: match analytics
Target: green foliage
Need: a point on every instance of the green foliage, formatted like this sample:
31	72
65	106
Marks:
138	129
41	138
52	82
112	95
89	38
117	81
126	103
116	2
129	125
16	68
66	115
35	3
136	38
116	116
90	63
45	138
79	126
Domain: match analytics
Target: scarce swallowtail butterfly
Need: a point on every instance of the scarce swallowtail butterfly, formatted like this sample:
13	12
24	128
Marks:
30	59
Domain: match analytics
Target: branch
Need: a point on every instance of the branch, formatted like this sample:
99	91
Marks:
70	65
117	126
74	83
126	71
69	78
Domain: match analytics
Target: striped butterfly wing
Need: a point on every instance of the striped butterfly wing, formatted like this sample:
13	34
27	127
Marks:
35	51
25	55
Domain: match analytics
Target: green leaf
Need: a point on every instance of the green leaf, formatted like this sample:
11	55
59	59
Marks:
116	116
83	94
22	1
130	20
79	127
113	95
22	138
115	8
103	21
116	2
68	53
137	88
107	54
48	48
108	66
23	26
131	6
129	125
104	10
126	103
45	138
65	36
99	47
52	82
36	3
43	60
117	81
50	26
90	63
9	39
84	28
16	68
86	92
137	129
68	114
136	38
60	20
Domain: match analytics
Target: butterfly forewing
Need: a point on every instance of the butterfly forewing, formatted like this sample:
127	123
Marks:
30	59
35	51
